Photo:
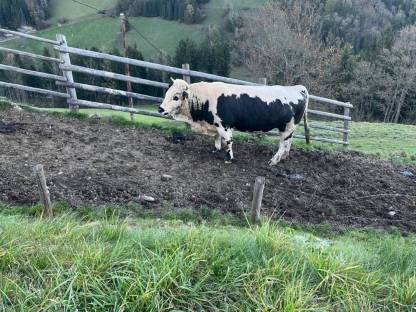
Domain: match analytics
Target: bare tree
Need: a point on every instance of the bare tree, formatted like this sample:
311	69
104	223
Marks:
282	43
400	64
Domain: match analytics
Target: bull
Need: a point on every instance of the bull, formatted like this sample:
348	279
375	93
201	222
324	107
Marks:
218	108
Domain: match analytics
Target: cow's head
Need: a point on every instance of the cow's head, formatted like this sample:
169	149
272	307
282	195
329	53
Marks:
176	95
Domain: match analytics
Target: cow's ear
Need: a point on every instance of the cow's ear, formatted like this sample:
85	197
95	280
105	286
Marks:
185	95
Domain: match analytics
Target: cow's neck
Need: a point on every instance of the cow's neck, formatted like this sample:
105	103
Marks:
184	113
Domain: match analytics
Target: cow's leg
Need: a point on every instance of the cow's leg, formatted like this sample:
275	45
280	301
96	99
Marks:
288	145
218	142
285	144
227	136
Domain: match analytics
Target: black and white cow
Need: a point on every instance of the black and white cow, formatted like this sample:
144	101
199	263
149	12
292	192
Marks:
218	108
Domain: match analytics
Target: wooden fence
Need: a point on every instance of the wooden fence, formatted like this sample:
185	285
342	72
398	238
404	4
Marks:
67	80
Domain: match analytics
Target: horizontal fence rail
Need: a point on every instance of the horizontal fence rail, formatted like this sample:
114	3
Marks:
116	107
329	101
331	115
31	72
160	67
66	80
30	55
107	74
110	91
31	89
27	36
325	127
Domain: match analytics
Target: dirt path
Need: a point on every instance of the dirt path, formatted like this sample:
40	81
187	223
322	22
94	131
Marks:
94	162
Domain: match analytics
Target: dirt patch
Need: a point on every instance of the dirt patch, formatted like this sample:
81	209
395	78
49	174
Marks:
92	162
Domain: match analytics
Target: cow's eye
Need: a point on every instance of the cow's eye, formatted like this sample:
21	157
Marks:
175	98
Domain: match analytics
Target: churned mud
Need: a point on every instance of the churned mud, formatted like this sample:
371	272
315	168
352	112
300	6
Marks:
94	162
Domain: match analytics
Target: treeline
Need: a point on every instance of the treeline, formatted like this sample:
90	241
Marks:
363	51
187	11
368	25
213	55
15	13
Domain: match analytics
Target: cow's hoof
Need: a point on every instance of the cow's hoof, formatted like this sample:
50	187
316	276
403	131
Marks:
228	162
273	163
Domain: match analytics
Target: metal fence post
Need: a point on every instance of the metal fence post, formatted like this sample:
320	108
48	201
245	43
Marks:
346	125
66	60
187	78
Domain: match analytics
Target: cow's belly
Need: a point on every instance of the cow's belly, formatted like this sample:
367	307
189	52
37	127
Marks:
251	114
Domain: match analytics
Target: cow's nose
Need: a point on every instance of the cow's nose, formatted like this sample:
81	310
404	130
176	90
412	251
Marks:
161	110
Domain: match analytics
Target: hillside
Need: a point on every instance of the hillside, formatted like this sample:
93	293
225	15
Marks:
85	28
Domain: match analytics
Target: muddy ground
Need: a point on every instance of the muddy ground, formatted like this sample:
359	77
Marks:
93	162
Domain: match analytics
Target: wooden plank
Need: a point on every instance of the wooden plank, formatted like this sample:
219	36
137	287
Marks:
27	36
126	66
117	108
106	74
170	69
31	55
67	74
297	136
257	199
31	89
330	115
324	127
329	101
110	91
43	191
31	72
187	78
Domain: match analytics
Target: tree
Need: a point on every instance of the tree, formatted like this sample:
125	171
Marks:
400	64
187	52
282	43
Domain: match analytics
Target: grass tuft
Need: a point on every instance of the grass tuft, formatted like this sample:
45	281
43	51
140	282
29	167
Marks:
66	264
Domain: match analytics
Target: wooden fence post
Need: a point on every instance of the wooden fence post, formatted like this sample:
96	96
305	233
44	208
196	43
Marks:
126	66
263	81
257	199
65	58
187	78
43	191
346	125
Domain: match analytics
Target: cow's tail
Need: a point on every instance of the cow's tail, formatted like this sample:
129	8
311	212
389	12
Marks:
305	120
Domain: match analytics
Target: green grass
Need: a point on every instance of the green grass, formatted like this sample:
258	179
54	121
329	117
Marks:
70	10
112	264
103	33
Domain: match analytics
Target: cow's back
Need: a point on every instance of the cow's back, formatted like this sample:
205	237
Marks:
254	108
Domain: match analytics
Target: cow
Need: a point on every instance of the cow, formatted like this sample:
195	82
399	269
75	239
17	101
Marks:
218	108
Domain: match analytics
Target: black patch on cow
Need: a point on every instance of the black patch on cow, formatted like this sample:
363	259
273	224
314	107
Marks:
202	113
216	125
298	110
247	113
289	136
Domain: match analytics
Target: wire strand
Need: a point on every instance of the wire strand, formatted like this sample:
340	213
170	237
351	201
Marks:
131	26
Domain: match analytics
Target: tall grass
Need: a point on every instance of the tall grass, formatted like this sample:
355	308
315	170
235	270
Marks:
113	265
